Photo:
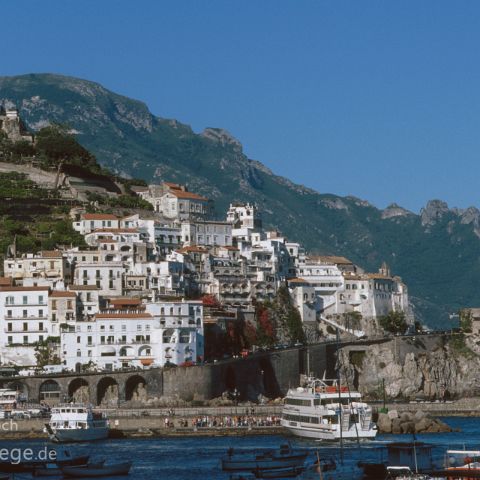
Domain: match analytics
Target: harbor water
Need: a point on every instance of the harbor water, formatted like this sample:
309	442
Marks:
193	458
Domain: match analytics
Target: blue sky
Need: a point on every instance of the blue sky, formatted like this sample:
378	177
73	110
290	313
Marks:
377	99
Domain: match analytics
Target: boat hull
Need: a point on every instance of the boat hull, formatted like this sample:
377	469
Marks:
238	465
89	472
328	434
79	435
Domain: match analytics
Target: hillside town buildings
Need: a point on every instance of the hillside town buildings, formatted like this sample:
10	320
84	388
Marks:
135	296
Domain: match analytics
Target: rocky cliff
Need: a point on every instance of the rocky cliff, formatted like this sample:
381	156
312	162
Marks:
422	367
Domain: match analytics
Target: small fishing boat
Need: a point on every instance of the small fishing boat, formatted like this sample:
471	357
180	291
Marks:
13	466
284	457
93	472
53	470
292	472
404	473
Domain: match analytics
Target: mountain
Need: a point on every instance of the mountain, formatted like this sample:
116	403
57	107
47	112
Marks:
435	252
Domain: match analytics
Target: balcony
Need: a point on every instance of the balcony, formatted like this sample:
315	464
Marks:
31	304
30	317
30	330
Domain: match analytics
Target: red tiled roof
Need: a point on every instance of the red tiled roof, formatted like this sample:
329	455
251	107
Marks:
59	293
175	186
192	249
125	301
297	280
115	230
23	289
188	195
6	281
51	253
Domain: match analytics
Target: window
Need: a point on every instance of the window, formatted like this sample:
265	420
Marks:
124	328
89	353
79	353
69	304
54	304
9	314
54	317
25	326
139	328
40	299
9	327
25	300
10	301
89	297
40	326
52	265
10	340
89	340
40	313
79	339
25	340
40	338
89	328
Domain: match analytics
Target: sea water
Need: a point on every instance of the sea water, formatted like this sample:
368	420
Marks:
198	458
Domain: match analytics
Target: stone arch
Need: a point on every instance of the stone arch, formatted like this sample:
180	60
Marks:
135	388
230	378
107	392
50	392
78	390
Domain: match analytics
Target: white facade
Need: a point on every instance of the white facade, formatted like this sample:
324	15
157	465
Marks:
170	332
49	268
207	233
90	222
24	321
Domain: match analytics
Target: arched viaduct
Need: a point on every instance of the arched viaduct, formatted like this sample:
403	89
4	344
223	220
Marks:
266	373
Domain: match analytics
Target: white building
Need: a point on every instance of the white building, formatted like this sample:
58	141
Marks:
89	222
327	280
24	321
175	202
101	268
131	334
43	268
206	233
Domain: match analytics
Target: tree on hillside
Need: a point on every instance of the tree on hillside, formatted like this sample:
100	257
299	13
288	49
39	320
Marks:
55	143
394	322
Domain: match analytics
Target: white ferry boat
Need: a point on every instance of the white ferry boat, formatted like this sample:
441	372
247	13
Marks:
323	410
76	422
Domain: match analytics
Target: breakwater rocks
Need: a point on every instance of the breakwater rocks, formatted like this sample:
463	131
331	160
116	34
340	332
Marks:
407	422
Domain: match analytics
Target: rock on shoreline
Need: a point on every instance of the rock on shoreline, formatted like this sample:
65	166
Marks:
406	422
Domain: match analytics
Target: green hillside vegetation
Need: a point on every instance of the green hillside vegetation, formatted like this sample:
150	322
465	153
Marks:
29	219
439	261
33	218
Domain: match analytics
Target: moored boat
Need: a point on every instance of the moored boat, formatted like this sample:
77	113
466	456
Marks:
76	423
325	410
93	472
284	457
54	470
